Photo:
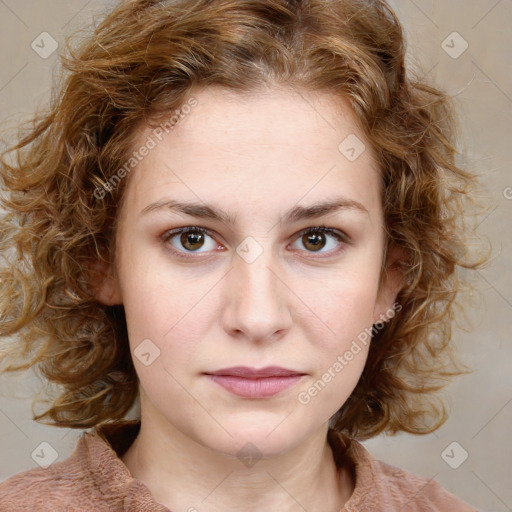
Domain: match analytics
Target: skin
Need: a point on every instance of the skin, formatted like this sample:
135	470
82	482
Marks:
255	156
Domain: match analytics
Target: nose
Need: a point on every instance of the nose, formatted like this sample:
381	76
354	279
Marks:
257	300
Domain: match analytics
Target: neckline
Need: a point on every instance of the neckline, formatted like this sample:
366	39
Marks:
117	437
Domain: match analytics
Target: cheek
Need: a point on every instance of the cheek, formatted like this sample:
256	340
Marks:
342	342
346	305
153	297
341	349
170	310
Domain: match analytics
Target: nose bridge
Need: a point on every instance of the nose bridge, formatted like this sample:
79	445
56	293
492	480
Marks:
257	303
256	280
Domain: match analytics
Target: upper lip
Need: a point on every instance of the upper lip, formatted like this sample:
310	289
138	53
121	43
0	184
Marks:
254	373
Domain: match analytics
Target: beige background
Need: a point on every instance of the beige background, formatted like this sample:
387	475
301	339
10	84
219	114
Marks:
481	77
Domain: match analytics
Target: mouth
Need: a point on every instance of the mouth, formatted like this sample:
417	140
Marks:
255	383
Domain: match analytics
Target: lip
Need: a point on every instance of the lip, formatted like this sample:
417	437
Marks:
248	372
255	383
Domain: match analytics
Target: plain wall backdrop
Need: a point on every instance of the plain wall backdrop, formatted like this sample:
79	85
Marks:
464	48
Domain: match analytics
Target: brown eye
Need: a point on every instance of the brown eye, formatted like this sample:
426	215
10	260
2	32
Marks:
314	241
192	240
317	238
189	240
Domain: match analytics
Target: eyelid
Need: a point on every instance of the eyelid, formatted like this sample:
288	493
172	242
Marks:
168	235
338	234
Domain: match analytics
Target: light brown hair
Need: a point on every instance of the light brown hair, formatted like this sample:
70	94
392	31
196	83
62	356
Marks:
140	66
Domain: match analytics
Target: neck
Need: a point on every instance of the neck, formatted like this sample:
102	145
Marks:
183	474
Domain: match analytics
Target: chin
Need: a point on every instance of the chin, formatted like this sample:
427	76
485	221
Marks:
266	437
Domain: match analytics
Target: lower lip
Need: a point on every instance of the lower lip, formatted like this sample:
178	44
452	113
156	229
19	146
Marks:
255	388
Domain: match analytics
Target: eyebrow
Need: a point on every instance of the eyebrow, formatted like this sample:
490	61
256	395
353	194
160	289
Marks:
295	214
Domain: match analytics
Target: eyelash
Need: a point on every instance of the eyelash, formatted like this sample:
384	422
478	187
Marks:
338	235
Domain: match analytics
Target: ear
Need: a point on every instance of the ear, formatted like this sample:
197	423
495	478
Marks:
104	283
391	284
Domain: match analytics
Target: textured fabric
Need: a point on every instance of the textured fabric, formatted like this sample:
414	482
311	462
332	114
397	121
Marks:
95	479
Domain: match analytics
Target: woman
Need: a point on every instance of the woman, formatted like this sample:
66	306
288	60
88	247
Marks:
248	216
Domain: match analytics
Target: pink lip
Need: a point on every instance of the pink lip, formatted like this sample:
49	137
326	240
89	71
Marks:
254	373
253	383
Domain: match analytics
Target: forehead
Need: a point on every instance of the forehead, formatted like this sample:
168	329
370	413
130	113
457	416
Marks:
289	114
259	144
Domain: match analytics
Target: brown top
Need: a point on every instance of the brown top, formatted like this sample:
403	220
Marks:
94	478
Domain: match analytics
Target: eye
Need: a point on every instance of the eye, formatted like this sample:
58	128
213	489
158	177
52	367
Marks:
195	239
191	238
316	238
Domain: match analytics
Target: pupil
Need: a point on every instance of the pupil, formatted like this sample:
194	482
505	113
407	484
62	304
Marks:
315	240
192	240
195	238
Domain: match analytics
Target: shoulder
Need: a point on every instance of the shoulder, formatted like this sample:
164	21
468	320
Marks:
92	478
381	486
417	493
67	485
52	488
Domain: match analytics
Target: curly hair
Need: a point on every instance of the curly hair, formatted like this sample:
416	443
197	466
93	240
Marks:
141	64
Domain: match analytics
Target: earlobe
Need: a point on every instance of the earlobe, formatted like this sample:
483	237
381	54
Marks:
104	284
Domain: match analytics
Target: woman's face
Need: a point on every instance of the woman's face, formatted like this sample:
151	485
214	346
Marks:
252	284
